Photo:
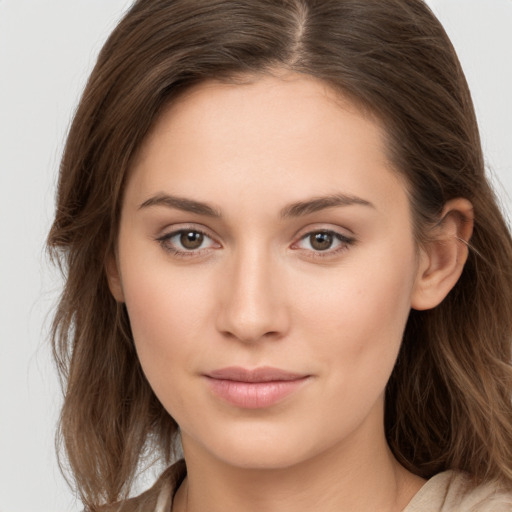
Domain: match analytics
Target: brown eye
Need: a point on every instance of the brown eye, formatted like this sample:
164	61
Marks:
187	242
321	241
191	240
325	243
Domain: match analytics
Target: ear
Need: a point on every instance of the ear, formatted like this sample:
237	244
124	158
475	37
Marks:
114	278
443	257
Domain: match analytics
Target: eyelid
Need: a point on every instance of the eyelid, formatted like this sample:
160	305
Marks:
342	238
183	226
178	229
345	240
343	232
325	226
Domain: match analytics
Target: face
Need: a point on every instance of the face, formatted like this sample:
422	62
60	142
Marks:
267	262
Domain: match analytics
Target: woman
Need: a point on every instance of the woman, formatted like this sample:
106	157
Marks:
282	251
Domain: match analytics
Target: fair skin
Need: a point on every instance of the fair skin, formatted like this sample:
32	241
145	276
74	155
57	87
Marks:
260	274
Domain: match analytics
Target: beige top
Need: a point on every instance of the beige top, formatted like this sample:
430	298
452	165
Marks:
449	491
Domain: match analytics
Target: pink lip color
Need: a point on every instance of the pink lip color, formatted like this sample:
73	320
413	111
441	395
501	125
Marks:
254	389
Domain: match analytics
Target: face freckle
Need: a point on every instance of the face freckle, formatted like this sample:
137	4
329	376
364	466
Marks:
245	286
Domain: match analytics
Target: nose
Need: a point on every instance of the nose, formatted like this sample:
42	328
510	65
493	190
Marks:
252	304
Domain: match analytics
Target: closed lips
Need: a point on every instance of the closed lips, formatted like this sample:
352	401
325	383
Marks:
254	389
262	374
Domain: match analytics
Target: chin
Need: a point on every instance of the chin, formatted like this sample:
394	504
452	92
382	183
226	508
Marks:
256	447
269	458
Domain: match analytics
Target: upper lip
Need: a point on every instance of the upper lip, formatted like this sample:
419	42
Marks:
262	374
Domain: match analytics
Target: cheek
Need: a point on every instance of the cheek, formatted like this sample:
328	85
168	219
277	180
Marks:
356	320
167	317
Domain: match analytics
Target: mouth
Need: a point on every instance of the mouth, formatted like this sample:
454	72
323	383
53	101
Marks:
254	389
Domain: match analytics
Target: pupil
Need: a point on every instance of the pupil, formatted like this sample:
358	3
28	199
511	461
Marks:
191	239
321	241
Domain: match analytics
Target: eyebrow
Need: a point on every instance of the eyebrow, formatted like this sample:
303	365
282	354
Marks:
316	204
181	203
296	209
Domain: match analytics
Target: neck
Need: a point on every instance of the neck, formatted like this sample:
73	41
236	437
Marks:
360	474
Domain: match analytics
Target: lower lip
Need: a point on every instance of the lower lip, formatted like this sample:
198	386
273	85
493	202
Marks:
254	395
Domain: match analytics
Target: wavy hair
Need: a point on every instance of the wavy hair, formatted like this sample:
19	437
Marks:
448	402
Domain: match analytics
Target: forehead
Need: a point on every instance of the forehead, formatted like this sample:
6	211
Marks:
288	134
260	100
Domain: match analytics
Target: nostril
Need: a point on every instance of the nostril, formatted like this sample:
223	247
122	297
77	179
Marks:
252	329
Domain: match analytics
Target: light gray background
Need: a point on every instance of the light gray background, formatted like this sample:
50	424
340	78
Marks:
47	48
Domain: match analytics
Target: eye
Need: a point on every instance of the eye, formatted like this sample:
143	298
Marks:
323	241
186	241
190	240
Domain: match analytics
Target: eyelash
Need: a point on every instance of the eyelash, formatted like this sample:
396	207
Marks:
344	243
164	241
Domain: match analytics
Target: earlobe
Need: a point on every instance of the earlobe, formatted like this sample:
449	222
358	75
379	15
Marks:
114	278
442	260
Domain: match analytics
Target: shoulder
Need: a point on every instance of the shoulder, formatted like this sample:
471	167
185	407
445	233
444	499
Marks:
156	499
453	491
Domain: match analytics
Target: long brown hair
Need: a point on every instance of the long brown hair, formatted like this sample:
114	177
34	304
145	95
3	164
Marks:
448	402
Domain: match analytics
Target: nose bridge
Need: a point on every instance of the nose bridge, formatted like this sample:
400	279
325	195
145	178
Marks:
253	306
